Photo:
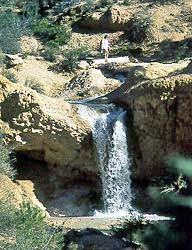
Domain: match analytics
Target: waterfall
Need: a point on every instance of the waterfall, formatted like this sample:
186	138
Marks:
109	133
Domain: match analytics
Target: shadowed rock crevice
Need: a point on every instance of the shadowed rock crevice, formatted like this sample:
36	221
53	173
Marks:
78	195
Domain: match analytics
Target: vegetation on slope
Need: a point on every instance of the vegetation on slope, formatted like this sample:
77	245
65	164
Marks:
24	227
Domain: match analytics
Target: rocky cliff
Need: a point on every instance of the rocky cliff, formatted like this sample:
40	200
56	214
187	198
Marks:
46	129
159	116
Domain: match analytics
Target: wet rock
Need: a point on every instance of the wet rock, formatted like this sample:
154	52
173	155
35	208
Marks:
92	239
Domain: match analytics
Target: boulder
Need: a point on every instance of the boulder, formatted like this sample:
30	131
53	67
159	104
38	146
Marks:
87	84
13	60
114	19
159	120
83	65
47	129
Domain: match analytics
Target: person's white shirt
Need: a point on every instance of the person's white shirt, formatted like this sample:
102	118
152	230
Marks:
105	44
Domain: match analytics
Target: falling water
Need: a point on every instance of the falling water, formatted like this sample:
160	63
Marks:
109	133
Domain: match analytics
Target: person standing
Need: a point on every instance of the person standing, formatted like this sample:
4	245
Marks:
105	47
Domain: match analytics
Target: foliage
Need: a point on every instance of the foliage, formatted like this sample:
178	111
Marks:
105	3
11	30
127	2
8	3
140	25
162	2
34	84
27	228
130	227
30	10
5	163
72	57
60	34
177	203
50	52
174	201
2	58
10	76
74	7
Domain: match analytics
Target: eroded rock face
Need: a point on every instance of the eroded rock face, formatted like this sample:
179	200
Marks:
114	19
35	123
160	119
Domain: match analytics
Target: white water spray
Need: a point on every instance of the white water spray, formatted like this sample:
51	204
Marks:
109	133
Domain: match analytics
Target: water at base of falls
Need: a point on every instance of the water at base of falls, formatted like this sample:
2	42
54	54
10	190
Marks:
109	133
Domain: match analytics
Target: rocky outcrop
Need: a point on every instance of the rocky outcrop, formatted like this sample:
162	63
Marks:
13	60
88	83
139	71
114	19
159	119
47	129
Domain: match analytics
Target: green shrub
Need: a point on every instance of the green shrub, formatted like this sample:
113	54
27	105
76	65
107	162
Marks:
130	227
30	10
5	163
127	2
34	84
52	31
162	2
12	28
105	3
10	76
74	7
72	58
8	3
175	201
2	58
27	228
140	25
49	53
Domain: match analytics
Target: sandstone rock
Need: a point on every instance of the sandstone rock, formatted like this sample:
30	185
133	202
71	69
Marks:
83	65
51	127
160	123
13	60
114	19
6	87
28	189
137	72
87	84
